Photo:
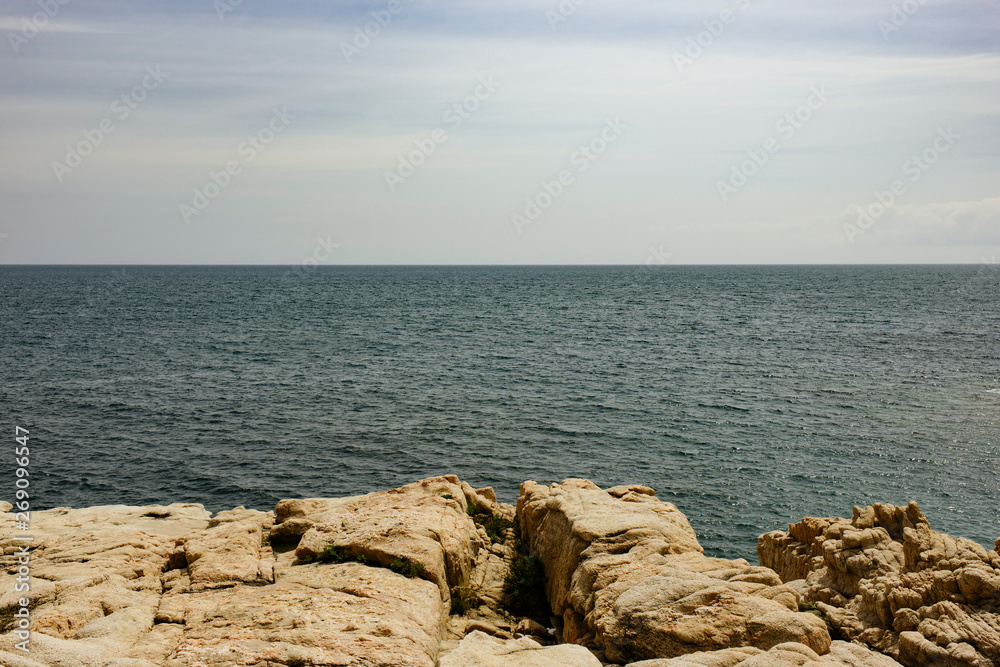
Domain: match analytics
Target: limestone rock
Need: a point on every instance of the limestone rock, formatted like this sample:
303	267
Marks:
626	572
230	552
315	614
885	579
528	626
480	650
425	523
88	564
841	654
5	506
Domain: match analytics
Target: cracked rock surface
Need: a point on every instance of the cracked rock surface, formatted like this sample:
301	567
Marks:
418	577
885	579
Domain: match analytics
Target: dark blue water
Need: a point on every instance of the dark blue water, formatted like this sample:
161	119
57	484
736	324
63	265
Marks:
748	396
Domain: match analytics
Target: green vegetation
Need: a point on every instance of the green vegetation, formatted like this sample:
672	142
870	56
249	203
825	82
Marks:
524	587
332	554
463	599
495	525
406	567
628	652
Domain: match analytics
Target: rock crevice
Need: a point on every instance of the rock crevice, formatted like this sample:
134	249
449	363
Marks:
427	574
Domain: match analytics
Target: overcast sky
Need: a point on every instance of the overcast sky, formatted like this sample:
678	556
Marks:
586	132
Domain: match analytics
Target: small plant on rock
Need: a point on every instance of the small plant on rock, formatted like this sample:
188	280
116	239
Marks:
332	554
495	527
463	599
494	524
406	567
524	587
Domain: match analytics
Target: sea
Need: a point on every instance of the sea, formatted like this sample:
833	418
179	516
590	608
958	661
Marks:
748	396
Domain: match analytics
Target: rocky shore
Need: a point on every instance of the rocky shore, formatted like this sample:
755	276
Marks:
437	573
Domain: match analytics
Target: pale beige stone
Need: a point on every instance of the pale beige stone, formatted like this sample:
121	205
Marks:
627	573
885	579
480	650
841	654
425	523
232	551
315	614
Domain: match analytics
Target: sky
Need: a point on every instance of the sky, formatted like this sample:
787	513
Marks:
505	132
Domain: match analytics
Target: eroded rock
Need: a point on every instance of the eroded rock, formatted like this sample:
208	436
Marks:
626	572
479	649
885	579
842	654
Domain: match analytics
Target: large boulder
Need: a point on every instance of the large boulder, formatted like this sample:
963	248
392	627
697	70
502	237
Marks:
842	654
478	649
425	524
174	586
626	573
885	579
315	614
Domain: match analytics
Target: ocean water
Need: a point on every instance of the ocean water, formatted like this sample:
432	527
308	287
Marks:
748	396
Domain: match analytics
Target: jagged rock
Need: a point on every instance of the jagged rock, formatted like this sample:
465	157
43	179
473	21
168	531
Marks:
480	650
627	573
127	587
841	654
527	626
426	523
885	579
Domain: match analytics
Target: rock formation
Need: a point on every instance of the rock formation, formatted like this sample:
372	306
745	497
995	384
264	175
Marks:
427	575
626	574
128	586
885	579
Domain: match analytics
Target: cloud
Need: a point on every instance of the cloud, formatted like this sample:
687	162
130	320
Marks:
962	223
610	58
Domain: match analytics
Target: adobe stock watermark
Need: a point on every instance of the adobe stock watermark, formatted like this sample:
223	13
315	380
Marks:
580	160
786	127
322	252
35	24
562	12
121	109
223	7
714	29
363	35
657	257
22	521
455	116
248	151
914	168
899	17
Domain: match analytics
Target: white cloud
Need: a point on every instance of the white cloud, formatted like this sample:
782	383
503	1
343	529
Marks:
940	224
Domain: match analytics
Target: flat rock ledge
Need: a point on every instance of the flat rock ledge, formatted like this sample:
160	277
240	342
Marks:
436	574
